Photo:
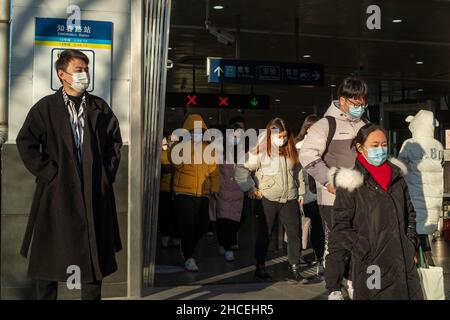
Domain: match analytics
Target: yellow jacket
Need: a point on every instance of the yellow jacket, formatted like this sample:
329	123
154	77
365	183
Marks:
195	179
166	175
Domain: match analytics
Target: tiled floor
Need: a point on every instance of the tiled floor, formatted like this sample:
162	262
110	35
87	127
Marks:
220	280
213	267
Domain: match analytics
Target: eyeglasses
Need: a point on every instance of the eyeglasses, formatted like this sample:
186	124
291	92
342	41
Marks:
355	104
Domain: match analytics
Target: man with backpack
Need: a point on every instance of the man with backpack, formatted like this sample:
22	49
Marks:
329	144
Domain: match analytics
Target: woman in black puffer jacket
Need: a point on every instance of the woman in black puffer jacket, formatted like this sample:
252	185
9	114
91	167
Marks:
375	220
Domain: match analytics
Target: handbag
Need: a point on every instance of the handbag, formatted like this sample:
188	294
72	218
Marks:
306	231
431	279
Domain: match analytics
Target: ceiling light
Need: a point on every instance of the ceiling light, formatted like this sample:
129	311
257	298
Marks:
210	118
397	21
307	56
333	85
419	62
420	90
173	109
218	7
277	100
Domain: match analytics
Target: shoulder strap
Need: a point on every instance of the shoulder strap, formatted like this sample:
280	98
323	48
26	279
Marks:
331	132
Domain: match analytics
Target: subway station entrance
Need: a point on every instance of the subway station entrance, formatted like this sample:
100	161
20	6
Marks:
300	51
220	59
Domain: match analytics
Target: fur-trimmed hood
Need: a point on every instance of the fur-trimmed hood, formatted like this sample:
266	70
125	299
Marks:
349	179
352	179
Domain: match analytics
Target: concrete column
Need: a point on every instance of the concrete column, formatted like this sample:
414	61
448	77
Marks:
5	22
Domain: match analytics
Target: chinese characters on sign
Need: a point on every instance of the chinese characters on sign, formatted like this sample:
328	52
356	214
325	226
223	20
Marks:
52	36
253	72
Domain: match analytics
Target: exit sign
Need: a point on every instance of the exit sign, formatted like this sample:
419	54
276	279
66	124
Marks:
216	101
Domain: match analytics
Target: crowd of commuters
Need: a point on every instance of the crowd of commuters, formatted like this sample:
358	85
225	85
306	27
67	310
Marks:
365	209
337	174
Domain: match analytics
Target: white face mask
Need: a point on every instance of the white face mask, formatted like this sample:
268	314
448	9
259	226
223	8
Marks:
80	81
279	142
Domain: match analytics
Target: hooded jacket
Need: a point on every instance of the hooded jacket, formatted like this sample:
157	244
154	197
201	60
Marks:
340	153
195	179
424	157
308	197
378	228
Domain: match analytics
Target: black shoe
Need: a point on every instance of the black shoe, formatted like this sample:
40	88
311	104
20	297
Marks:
262	274
295	275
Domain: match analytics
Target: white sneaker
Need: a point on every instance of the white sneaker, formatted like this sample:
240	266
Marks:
165	242
221	250
176	242
190	265
335	295
229	256
348	285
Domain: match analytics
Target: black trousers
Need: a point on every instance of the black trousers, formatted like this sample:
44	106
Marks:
193	221
311	211
337	259
246	208
48	290
289	215
227	232
168	225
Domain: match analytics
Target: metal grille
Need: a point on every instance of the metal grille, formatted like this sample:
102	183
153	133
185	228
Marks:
156	40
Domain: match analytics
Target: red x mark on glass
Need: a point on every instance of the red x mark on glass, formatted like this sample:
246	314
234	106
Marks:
192	100
223	101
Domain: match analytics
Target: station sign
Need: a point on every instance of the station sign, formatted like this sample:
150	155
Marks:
264	72
93	38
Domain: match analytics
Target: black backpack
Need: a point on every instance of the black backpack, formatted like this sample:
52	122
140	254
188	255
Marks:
331	132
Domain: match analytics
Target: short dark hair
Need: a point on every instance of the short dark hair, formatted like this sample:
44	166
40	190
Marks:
353	88
66	56
365	131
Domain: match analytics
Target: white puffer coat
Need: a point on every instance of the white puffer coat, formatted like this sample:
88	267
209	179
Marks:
424	158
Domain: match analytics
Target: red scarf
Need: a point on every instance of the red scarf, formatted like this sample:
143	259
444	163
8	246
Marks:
381	174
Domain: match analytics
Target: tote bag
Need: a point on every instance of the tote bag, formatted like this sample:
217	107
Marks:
431	279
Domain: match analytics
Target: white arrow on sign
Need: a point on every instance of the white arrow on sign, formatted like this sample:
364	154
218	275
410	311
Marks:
219	71
316	75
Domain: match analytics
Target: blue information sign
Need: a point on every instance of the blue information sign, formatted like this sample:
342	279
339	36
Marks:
262	72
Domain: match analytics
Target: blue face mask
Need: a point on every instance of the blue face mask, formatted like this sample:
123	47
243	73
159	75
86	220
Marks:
377	156
356	111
